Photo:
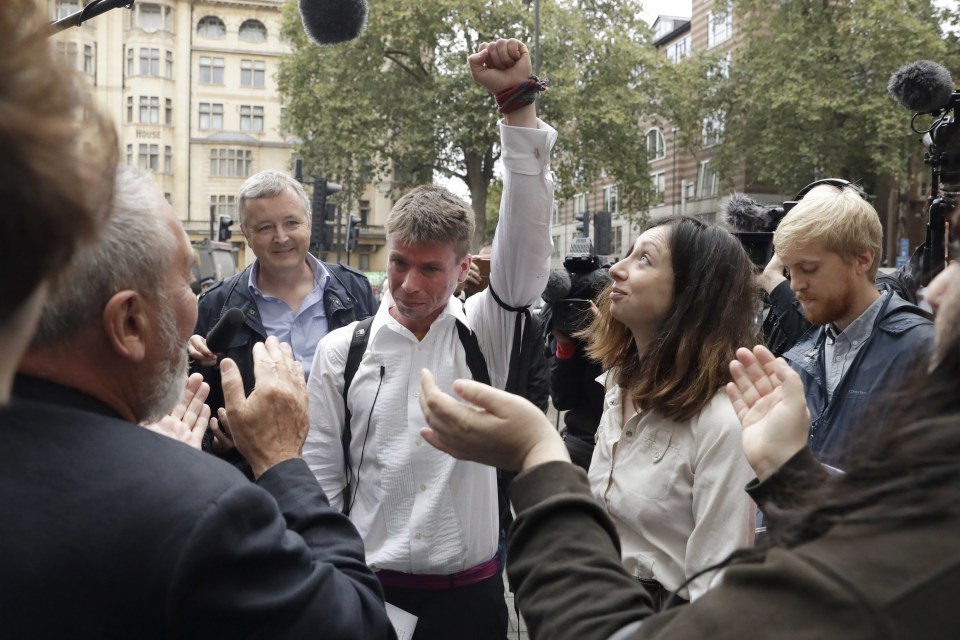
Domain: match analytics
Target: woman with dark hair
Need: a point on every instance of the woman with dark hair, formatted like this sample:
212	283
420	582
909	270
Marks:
668	465
873	553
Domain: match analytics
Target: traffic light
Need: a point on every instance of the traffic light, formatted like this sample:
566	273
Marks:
223	230
353	232
326	230
321	188
601	228
583	224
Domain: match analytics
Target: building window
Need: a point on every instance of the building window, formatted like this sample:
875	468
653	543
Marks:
149	110
555	217
211	70
150	62
149	158
66	8
708	183
611	199
364	261
88	60
211	27
364	207
67	51
579	203
656	146
168	112
659	187
151	17
211	116
223	205
679	49
711	130
230	163
253	31
719	26
252	73
251	118
556	246
130	155
168	65
130	61
129	109
168	159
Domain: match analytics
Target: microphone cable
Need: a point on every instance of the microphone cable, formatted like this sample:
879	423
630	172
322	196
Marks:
363	447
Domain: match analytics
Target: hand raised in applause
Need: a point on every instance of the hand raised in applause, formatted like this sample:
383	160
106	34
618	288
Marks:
271	424
768	398
188	420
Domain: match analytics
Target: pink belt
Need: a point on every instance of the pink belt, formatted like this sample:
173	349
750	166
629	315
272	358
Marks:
473	575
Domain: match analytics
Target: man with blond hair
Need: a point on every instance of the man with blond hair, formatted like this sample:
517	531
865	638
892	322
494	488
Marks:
865	337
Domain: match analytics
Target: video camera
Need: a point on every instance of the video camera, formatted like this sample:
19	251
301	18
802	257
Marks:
570	290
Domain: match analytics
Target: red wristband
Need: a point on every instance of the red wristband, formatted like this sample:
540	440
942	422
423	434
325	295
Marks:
565	350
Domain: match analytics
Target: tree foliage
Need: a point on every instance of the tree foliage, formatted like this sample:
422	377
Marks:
398	103
806	97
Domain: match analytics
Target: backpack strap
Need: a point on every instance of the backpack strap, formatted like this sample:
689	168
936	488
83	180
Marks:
358	344
475	360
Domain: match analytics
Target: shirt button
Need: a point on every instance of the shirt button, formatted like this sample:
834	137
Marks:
856	342
536	152
416	394
629	434
417	441
418	536
656	452
423	487
839	358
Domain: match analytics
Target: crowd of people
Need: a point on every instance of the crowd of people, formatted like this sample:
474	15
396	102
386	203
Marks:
365	437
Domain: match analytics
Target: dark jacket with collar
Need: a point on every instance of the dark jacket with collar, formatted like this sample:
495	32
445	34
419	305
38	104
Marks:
902	333
109	530
347	297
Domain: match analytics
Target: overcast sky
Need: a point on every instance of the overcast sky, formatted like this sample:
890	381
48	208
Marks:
654	8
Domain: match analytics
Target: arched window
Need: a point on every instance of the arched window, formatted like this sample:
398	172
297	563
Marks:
211	27
253	31
656	147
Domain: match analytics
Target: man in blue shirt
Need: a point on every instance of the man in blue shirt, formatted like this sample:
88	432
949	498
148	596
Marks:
286	292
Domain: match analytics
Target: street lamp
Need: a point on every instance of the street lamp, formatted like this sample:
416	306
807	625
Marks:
536	35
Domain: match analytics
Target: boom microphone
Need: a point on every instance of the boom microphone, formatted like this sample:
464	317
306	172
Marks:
746	214
223	333
558	285
332	21
922	86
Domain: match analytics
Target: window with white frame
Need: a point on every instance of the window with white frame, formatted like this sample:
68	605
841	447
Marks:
211	27
679	49
89	62
611	198
149	110
251	118
66	8
168	65
659	187
719	26
656	145
130	54
223	205
616	242
149	157
211	116
151	17
230	163
211	70
556	246
253	31
129	109
149	62
130	155
555	218
168	112
711	129
579	203
708	182
167	159
252	73
67	51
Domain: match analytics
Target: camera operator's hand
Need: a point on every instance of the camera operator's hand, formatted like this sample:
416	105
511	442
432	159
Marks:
772	274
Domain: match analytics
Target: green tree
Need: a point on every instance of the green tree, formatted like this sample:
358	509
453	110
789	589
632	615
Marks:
399	101
806	96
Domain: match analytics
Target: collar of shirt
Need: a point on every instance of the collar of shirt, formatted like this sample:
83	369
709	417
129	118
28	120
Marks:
320	276
861	328
453	310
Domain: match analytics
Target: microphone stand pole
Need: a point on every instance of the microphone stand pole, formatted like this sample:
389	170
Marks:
92	10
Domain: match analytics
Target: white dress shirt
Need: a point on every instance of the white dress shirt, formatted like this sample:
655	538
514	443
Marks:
417	509
675	490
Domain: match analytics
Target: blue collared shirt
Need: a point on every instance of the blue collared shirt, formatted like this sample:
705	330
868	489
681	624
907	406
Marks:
840	349
303	329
